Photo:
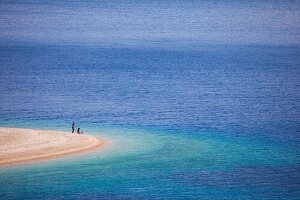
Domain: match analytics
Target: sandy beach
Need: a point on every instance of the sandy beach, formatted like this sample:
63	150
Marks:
19	146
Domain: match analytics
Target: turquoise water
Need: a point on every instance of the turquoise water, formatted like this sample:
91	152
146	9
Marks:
163	164
218	128
214	123
198	99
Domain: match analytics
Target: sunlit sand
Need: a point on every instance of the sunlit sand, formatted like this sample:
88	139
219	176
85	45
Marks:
19	146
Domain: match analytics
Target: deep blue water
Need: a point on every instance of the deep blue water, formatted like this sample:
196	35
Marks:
199	99
216	122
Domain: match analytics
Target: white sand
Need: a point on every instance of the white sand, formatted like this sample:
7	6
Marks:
24	145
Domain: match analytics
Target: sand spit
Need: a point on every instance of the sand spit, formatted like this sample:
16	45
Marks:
25	145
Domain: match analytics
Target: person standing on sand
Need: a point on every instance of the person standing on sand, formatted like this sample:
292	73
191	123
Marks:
73	127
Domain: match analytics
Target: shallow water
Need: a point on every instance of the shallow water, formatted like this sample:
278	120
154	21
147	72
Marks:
219	122
198	99
145	164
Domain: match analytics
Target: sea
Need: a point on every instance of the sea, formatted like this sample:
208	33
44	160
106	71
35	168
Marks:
183	120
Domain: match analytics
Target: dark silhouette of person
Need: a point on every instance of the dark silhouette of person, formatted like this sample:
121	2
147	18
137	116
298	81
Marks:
73	127
78	131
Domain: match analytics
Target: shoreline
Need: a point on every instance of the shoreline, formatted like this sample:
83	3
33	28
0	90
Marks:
22	146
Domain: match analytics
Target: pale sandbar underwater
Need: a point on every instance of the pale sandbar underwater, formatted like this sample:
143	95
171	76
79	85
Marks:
190	112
